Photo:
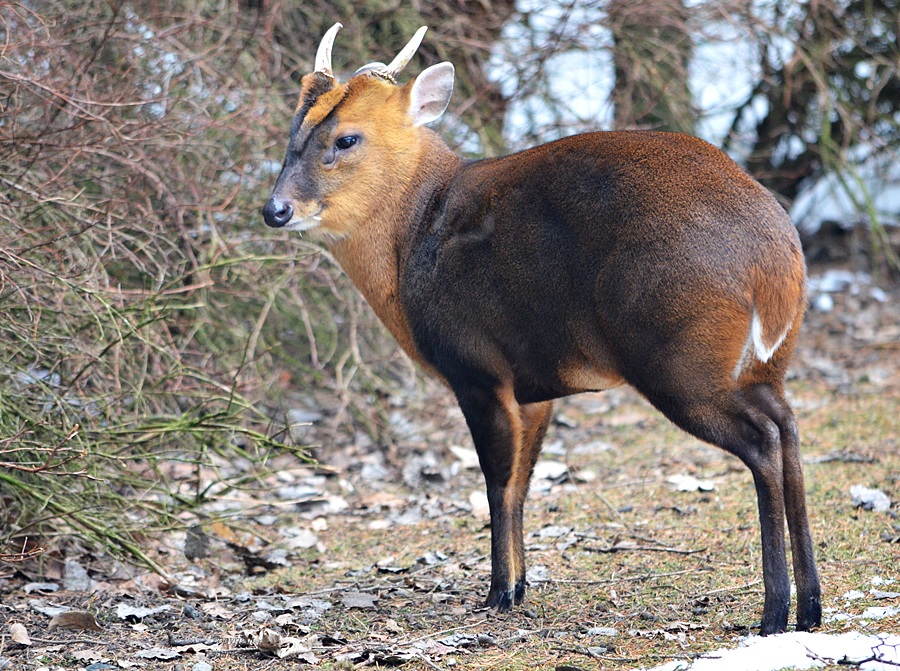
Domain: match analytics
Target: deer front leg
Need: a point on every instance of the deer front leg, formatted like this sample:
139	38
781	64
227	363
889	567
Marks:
508	438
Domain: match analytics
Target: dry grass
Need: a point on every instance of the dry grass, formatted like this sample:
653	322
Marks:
693	586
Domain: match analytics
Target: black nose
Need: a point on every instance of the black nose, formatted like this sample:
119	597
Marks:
277	213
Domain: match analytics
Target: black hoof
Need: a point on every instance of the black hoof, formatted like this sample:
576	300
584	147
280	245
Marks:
809	615
769	627
520	591
500	600
775	619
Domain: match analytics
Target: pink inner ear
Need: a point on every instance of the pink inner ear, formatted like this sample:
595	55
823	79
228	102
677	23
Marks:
430	93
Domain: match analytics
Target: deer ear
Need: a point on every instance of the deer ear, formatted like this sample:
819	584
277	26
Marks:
430	93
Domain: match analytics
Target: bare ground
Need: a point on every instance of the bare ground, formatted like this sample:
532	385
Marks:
379	555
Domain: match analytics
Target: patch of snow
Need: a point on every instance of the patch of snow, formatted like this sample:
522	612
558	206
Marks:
688	483
823	303
879	612
799	650
870	499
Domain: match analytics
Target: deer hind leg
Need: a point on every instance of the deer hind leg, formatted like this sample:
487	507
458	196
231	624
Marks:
806	577
740	424
508	438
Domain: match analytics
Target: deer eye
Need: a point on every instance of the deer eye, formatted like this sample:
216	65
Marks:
346	141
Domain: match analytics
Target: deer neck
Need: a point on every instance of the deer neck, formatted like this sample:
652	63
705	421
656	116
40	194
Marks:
373	257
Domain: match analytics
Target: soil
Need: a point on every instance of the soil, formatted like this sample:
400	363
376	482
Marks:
642	543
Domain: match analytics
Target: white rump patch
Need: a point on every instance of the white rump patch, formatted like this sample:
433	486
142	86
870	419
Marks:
755	347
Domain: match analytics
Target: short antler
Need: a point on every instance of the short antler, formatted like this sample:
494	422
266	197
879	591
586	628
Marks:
323	55
396	66
406	54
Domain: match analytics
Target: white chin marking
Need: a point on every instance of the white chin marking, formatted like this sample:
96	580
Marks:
303	223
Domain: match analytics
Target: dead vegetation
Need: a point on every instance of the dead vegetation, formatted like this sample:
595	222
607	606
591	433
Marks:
163	361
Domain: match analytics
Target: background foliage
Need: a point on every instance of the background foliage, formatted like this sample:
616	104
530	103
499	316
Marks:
147	316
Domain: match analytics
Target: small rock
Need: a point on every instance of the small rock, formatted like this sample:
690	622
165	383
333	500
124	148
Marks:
602	631
593	447
374	472
836	280
299	492
278	556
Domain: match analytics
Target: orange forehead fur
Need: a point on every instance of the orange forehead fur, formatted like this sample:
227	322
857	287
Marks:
323	106
363	100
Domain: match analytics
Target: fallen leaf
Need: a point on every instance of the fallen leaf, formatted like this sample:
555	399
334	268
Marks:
468	458
269	641
136	613
392	626
436	648
284	647
358	600
157	653
44	608
217	610
19	634
301	539
307	603
90	656
77	578
229	535
479	502
74	619
549	470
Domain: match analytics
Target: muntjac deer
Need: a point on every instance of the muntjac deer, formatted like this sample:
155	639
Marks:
645	258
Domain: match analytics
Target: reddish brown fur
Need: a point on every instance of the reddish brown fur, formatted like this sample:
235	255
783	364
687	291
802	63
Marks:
577	265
